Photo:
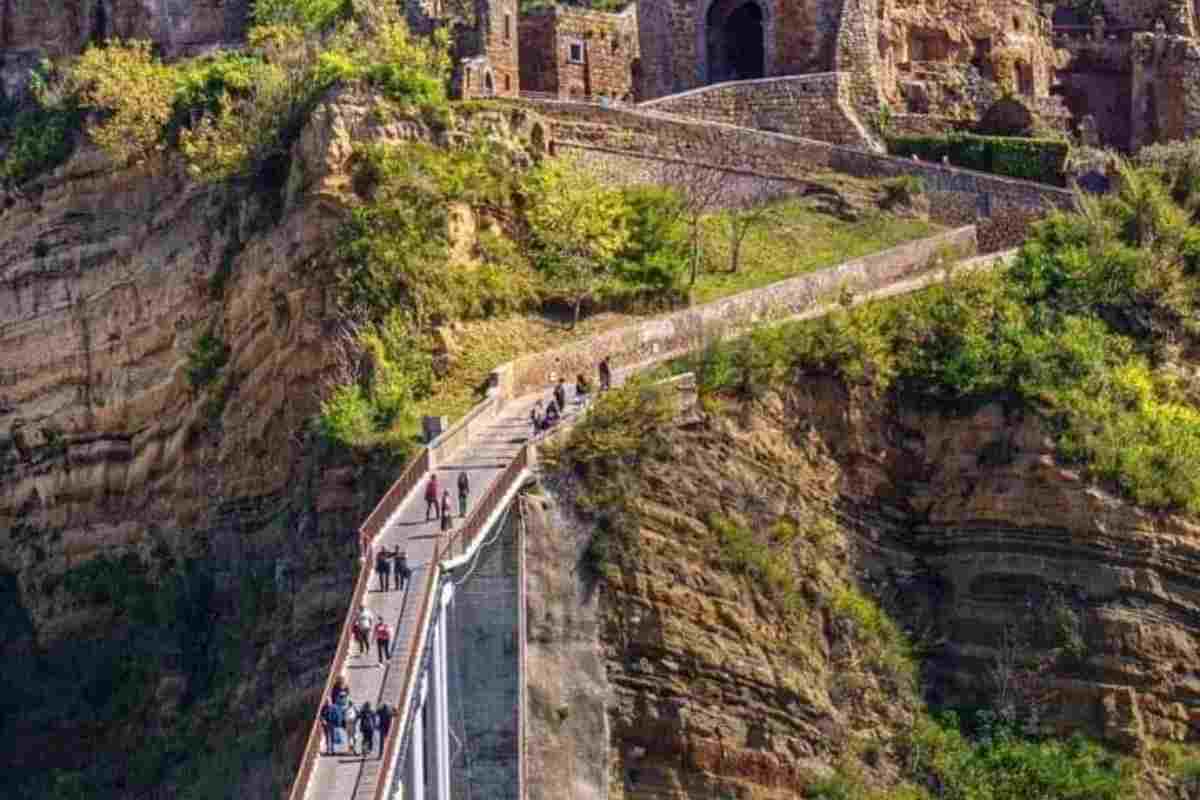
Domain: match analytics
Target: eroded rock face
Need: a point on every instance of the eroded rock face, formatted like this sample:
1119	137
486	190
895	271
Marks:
109	447
972	520
34	29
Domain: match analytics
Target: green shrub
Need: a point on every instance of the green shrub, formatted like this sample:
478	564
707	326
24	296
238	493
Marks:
887	645
206	359
1030	159
1004	766
309	15
346	417
657	251
902	190
39	138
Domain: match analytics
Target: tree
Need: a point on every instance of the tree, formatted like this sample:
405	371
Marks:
578	229
743	219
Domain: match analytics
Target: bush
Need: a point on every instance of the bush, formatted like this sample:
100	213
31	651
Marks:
1030	159
657	251
901	191
308	15
877	632
208	356
39	139
132	90
346	417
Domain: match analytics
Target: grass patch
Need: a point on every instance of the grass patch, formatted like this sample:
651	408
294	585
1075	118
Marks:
794	239
768	563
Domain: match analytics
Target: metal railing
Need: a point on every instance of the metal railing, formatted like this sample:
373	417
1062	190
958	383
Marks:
374	523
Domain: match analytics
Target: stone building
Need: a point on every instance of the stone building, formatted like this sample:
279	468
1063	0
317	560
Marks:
948	59
483	35
572	52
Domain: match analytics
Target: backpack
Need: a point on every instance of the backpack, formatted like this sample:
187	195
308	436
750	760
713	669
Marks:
463	485
367	722
328	715
382	631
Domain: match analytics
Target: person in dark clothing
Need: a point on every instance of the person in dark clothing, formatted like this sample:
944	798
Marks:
446	510
560	395
464	492
605	374
383	641
402	569
367	722
383	568
384	718
582	387
431	498
329	725
551	416
535	417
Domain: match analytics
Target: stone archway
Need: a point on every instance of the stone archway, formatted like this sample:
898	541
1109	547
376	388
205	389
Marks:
735	41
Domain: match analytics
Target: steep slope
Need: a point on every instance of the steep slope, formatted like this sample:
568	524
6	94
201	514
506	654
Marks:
739	659
174	544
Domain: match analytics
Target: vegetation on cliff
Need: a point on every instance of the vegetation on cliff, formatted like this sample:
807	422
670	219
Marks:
1092	326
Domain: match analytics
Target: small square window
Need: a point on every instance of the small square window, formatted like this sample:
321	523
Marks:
575	52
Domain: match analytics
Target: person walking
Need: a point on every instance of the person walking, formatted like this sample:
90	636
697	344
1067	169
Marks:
445	510
383	641
339	728
383	568
431	497
328	725
367	723
464	492
351	715
582	388
560	395
402	569
362	630
535	417
605	374
340	691
384	717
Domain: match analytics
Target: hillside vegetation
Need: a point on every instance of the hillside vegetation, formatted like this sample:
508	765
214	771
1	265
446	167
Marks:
1094	327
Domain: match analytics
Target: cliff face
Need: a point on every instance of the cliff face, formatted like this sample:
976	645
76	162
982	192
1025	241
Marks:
174	545
997	561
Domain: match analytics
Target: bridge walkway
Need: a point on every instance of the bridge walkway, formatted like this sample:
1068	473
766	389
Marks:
484	458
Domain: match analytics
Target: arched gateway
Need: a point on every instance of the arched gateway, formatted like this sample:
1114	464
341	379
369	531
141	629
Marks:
735	41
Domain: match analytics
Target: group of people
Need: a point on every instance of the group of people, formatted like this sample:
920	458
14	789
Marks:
439	508
389	563
543	419
367	627
351	726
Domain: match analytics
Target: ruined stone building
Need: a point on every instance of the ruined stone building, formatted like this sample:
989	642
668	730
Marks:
572	52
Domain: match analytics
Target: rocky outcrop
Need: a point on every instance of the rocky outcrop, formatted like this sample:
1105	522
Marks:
163	345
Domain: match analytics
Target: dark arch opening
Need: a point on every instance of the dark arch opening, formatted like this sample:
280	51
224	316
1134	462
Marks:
489	85
736	42
99	32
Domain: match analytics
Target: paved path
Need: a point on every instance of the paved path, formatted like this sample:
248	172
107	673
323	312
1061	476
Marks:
483	458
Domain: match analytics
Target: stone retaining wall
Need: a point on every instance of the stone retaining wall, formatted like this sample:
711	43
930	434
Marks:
762	152
672	335
814	106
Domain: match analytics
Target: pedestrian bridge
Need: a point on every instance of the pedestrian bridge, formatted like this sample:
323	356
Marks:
492	445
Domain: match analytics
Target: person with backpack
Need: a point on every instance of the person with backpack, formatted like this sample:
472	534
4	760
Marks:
605	374
560	395
445	510
362	631
384	717
383	641
367	723
431	497
535	417
402	569
383	568
551	416
464	492
328	725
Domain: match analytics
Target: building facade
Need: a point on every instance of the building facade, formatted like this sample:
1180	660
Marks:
569	52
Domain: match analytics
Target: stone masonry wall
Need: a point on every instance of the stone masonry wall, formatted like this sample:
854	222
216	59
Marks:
671	335
601	63
814	106
639	133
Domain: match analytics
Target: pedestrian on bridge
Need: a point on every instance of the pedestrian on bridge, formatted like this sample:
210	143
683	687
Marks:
445	510
351	717
362	631
383	641
402	569
329	725
383	568
384	715
431	497
560	394
464	492
367	723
